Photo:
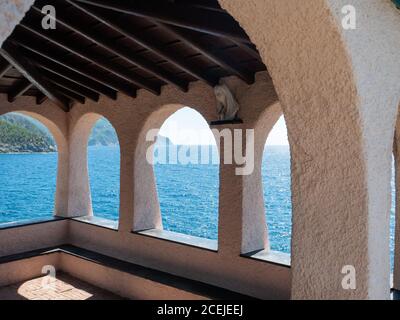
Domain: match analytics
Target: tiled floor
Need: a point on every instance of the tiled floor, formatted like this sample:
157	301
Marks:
63	287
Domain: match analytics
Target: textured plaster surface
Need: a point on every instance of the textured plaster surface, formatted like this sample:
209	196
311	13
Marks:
340	118
374	54
22	270
11	13
396	154
32	237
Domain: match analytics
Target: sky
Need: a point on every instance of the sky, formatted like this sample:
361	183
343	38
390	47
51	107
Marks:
188	127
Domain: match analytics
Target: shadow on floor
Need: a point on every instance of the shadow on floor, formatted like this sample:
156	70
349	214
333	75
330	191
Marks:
63	287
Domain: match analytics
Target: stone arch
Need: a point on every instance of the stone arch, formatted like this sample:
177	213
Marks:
147	214
58	132
277	216
80	200
340	153
254	226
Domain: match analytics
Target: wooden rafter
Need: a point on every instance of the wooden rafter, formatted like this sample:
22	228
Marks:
84	54
120	51
40	98
5	66
10	52
110	81
71	86
102	47
217	58
70	75
192	18
147	43
70	94
19	89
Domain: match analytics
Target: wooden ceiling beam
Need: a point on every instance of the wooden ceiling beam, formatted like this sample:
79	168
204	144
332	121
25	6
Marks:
82	53
252	52
86	71
71	86
202	4
146	43
40	98
72	76
70	94
211	22
218	58
119	51
18	89
5	66
10	52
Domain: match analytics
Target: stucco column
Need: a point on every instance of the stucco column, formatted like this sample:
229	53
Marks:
242	220
126	189
230	198
61	197
339	92
396	153
79	195
147	213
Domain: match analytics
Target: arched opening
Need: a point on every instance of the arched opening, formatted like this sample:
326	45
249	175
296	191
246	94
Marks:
277	188
28	169
186	167
104	170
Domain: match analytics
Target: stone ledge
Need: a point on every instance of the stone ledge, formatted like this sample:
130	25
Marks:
180	238
99	222
29	222
151	276
274	257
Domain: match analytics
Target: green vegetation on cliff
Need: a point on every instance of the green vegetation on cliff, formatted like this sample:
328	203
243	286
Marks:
103	134
17	138
19	133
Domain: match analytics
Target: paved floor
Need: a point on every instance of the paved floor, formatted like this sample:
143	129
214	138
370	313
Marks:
63	287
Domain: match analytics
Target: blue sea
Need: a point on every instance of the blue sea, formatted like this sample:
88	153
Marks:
188	194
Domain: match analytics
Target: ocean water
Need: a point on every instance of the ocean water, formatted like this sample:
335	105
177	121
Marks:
188	195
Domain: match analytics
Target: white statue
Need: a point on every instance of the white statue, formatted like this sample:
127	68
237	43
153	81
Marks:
227	106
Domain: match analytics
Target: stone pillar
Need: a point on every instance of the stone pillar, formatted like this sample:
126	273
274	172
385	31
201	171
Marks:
340	118
230	197
147	213
242	222
79	196
126	189
396	153
61	198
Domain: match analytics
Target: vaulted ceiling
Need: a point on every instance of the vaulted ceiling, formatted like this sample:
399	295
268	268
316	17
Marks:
103	47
